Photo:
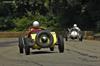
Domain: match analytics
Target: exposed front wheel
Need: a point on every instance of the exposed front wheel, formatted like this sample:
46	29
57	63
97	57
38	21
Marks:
81	39
60	44
81	36
66	39
27	50
21	50
20	45
52	49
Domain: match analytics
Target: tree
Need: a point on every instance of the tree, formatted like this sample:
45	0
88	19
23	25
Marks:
64	13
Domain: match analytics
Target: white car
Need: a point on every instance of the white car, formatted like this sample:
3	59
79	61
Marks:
74	34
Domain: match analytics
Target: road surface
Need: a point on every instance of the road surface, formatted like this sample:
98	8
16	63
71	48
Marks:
86	53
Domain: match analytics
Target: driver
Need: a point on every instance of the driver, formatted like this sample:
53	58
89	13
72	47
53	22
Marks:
76	27
35	28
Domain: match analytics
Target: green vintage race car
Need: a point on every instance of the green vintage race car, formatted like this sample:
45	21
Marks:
41	39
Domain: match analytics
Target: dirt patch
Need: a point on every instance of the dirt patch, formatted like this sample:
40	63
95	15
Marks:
12	34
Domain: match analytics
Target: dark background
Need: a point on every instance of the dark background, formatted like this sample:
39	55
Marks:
17	15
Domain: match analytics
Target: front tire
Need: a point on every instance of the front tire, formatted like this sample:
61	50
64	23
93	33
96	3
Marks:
21	43
66	36
60	44
66	39
52	49
81	39
27	48
21	50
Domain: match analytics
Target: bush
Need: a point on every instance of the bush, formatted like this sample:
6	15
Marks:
6	24
21	23
26	21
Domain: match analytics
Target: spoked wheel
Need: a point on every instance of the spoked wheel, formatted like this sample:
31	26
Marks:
51	48
60	44
21	44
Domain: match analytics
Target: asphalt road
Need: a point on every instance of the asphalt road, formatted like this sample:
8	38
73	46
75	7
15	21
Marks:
86	53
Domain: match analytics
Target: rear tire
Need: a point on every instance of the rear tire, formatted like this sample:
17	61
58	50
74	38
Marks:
60	44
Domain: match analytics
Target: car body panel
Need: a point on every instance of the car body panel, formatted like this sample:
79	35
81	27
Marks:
33	36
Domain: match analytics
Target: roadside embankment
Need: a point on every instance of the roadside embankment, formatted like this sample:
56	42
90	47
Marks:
9	34
89	35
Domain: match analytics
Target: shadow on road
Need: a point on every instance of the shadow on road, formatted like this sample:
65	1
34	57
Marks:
42	52
71	40
8	43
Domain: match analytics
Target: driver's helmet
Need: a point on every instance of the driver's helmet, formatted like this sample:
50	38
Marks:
75	25
36	24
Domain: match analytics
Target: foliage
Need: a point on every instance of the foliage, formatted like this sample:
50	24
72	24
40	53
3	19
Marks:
52	14
6	23
24	22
